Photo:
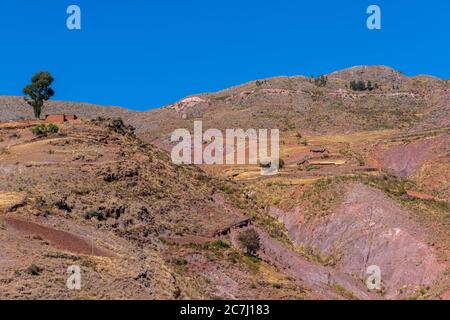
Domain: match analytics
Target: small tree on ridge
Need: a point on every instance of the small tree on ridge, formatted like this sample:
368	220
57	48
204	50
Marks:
39	91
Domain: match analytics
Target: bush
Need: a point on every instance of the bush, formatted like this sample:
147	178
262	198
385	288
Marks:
362	86
233	257
52	128
34	270
42	129
99	214
216	245
249	239
311	167
39	130
358	85
276	285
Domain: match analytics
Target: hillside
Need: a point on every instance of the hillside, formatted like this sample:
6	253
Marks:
15	108
298	103
365	182
95	196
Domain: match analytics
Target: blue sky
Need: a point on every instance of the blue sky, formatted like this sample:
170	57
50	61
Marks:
143	54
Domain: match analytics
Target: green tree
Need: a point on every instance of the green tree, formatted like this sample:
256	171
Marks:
249	239
358	85
361	85
39	91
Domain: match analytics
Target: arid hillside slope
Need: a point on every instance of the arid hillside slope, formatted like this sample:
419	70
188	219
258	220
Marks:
140	227
364	182
15	108
394	101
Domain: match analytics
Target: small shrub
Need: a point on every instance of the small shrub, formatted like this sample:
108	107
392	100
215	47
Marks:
62	205
217	245
276	285
343	291
34	270
39	130
252	263
179	261
310	167
42	129
401	190
233	257
39	202
52	128
99	214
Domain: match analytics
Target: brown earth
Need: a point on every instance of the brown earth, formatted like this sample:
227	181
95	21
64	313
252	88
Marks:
60	239
378	194
370	229
405	159
95	183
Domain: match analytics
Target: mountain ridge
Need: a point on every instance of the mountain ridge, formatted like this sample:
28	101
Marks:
337	73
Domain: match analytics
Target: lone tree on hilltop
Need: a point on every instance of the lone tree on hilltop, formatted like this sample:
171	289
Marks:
39	91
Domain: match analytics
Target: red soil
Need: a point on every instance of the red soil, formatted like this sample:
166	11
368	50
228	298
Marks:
404	160
60	239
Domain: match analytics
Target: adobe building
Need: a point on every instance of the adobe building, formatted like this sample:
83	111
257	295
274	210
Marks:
60	118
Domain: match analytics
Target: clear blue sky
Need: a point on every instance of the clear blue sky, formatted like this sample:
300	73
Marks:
143	54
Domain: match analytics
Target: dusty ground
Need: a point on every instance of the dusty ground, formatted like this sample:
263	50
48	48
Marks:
139	227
